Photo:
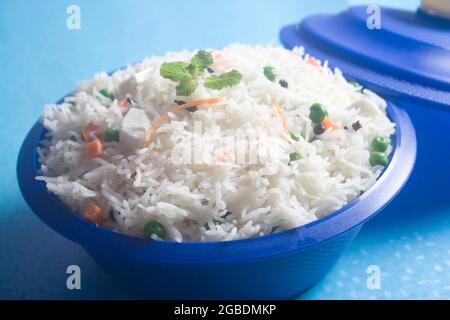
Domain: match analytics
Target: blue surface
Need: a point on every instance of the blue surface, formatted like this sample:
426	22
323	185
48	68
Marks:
41	60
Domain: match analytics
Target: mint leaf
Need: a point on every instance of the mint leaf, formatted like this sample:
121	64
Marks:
186	74
269	72
228	79
194	70
202	60
187	87
175	71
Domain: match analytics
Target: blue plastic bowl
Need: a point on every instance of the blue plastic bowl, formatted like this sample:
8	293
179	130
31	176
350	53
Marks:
277	266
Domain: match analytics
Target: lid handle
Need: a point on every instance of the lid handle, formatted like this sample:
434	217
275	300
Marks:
437	8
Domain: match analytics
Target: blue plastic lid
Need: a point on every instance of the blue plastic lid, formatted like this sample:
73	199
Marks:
408	57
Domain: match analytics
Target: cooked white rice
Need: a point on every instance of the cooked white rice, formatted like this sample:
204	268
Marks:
218	200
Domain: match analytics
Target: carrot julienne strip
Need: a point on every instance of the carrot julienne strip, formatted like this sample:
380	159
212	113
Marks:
313	61
165	116
283	119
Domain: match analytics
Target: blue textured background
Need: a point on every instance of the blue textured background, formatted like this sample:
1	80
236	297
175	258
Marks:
41	60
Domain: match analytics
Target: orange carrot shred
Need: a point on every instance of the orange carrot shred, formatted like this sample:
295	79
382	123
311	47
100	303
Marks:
94	149
87	130
283	119
93	213
328	123
165	116
223	158
313	61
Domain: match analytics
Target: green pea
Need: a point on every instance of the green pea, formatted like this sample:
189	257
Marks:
294	157
380	144
317	112
111	135
378	159
107	94
154	228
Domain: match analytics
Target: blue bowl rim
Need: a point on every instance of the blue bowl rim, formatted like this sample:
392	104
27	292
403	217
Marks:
109	243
